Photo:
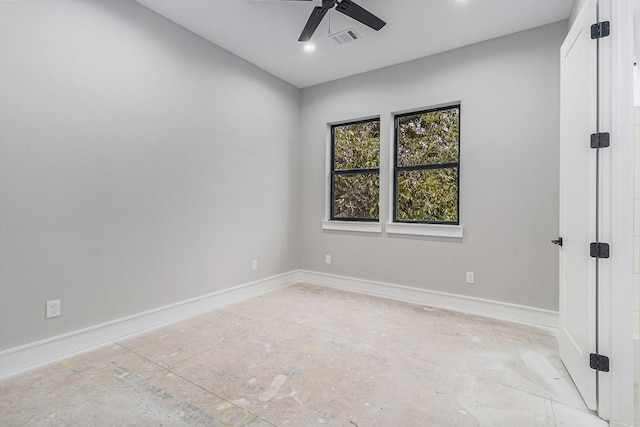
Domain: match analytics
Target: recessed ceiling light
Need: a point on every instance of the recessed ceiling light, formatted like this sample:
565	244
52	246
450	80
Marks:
309	47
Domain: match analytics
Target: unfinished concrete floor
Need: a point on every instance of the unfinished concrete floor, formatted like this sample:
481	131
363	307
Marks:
308	356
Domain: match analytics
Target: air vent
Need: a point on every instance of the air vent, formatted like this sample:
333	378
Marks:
345	36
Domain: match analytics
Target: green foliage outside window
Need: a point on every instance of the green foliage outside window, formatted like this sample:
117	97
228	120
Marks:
427	166
426	173
356	173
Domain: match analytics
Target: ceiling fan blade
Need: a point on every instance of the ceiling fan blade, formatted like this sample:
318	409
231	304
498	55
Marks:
313	22
360	14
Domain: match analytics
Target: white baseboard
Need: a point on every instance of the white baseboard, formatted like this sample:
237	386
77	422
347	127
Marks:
482	307
18	359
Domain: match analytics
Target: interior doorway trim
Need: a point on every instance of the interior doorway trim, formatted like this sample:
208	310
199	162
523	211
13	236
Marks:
616	223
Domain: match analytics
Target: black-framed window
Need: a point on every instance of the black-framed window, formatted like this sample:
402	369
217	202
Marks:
355	171
427	166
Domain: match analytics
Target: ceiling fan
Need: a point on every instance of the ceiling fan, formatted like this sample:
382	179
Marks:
346	7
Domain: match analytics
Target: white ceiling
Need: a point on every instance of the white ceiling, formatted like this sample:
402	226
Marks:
266	33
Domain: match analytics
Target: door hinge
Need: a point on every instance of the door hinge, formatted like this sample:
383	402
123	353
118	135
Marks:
600	140
599	362
600	30
599	250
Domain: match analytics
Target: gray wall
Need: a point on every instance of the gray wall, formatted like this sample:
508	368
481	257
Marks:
575	9
139	166
509	90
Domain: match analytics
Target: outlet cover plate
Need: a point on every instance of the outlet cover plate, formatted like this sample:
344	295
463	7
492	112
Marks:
53	308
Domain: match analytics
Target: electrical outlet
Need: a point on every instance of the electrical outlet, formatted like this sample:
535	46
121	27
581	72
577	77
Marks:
471	277
53	308
327	259
254	264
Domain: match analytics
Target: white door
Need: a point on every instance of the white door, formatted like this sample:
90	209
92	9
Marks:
577	335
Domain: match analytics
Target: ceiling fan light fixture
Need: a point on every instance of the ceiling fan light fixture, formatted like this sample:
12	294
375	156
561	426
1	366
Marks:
346	7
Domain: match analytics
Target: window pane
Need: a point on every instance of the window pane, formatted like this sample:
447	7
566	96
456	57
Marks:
356	196
428	195
429	138
357	146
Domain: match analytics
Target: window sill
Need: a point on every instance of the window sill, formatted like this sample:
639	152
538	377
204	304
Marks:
432	230
362	227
